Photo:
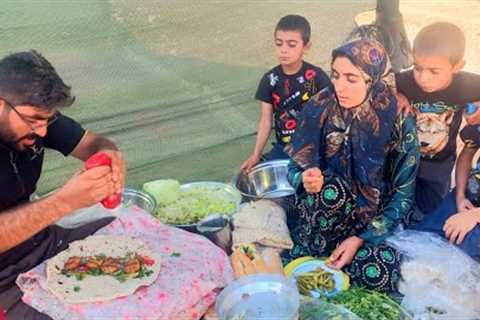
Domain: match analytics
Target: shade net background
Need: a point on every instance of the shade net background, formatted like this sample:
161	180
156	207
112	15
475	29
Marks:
171	82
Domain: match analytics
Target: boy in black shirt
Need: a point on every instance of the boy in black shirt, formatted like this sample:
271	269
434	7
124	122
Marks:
438	93
457	218
284	89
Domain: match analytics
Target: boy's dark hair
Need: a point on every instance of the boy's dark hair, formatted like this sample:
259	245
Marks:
27	78
441	38
294	22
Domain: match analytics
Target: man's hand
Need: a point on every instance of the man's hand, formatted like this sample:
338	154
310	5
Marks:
403	105
86	188
118	169
248	164
460	224
312	180
474	118
345	252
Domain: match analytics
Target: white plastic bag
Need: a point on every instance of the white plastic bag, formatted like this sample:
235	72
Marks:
439	280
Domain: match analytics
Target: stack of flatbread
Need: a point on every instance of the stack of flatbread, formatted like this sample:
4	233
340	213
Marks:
262	222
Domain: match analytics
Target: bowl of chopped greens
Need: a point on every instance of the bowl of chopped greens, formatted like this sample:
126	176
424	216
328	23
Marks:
185	205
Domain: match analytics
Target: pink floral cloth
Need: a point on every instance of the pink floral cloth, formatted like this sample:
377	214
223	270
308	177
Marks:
192	271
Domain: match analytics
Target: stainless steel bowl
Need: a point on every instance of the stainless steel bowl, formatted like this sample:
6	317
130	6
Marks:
266	180
140	199
230	192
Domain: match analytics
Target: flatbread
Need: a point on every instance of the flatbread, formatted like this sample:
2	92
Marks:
104	287
263	222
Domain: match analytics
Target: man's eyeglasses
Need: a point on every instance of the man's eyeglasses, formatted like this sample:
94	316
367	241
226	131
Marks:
33	124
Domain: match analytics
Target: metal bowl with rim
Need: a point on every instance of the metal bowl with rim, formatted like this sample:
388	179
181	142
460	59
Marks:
267	180
140	199
226	190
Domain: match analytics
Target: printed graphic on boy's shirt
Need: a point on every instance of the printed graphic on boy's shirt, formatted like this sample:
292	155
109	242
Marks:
273	79
286	124
433	125
286	87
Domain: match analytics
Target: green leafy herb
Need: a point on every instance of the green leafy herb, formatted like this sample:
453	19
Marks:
76	288
79	276
175	254
148	272
369	304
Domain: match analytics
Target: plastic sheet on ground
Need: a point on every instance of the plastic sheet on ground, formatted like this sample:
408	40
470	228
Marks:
439	280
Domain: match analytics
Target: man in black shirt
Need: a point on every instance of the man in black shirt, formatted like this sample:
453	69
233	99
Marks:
31	95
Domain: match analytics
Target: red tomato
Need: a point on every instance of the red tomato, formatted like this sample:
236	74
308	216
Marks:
112	201
101	159
97	160
148	261
3	314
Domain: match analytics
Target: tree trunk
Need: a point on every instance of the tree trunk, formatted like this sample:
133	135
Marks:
388	18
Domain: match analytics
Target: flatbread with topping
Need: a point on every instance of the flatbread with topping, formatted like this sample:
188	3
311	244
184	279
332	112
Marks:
102	268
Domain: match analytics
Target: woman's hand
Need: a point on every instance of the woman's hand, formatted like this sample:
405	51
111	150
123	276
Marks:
345	252
460	224
312	180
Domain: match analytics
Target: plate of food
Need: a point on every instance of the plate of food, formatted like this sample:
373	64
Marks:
101	268
314	278
185	205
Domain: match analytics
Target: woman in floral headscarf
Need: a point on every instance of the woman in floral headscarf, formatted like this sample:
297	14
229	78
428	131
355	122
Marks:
354	162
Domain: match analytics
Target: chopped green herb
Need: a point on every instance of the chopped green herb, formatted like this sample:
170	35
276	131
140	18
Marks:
76	288
94	272
148	272
141	273
79	276
175	254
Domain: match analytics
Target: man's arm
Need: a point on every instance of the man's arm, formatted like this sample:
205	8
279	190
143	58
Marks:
92	143
22	222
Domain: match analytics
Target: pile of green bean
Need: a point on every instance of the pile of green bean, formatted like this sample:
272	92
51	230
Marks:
319	280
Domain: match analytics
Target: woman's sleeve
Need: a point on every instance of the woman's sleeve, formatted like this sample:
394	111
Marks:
402	165
294	176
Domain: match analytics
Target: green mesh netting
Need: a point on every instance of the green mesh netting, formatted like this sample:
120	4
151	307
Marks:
172	82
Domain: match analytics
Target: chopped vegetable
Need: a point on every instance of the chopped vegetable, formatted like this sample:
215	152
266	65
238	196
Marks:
76	288
175	254
165	192
193	205
369	304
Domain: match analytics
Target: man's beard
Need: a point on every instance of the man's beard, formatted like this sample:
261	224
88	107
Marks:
8	138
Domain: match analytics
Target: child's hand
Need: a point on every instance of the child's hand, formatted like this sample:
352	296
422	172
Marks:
312	180
248	164
460	224
344	253
464	205
403	105
473	118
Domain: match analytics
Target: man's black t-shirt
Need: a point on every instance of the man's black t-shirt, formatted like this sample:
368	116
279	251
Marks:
439	115
20	172
288	93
